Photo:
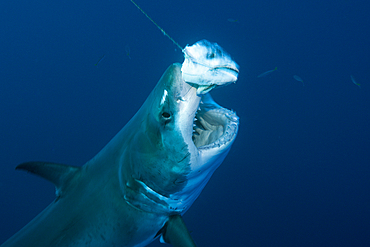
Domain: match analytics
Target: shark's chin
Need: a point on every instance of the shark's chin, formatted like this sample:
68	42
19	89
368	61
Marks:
214	126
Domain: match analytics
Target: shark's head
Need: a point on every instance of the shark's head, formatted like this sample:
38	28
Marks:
180	138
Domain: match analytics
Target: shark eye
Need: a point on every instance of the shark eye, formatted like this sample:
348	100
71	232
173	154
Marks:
166	115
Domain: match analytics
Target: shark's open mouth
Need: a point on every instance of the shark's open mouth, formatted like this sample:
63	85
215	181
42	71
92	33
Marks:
214	130
214	126
197	135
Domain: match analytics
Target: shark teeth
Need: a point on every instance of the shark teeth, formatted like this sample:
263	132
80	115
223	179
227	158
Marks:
226	138
214	126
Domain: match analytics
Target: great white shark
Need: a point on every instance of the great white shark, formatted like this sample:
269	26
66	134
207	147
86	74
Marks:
140	184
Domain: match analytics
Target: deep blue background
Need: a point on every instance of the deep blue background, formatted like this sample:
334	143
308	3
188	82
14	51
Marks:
298	173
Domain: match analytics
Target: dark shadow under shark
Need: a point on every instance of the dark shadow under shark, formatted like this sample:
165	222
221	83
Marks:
138	186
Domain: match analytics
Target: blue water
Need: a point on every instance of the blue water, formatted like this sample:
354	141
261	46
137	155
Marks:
298	173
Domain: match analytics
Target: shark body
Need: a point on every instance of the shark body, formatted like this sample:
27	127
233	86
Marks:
138	186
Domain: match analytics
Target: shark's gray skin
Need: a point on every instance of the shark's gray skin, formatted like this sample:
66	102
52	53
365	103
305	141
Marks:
138	186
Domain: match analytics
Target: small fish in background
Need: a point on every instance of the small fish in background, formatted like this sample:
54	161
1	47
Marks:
266	73
233	20
354	81
127	49
100	60
297	78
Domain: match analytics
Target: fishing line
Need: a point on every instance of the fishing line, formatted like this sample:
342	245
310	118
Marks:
184	50
164	32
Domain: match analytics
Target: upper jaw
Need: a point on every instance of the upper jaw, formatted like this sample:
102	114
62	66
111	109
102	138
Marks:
204	123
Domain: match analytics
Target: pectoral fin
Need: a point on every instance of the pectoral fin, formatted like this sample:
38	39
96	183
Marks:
175	233
60	175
